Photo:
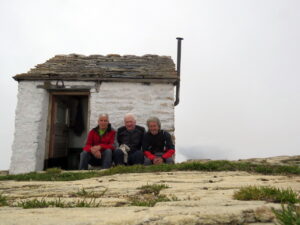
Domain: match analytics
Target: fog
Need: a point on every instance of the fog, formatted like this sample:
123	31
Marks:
240	64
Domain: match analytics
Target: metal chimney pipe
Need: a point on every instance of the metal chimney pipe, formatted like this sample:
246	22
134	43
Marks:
179	39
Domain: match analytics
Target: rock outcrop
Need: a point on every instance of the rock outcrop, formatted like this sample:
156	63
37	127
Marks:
195	198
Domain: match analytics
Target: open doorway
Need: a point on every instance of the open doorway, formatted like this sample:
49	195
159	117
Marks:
67	129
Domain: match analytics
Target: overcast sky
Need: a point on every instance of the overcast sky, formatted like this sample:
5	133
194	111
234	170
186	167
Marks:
240	94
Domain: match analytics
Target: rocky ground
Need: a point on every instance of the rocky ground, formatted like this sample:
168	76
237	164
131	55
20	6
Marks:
196	198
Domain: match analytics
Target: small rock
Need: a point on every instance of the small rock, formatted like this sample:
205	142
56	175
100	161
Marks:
263	179
264	214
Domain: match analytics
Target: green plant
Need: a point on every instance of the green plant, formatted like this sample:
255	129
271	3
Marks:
288	215
149	195
36	203
152	189
266	193
3	200
54	170
85	203
294	160
148	200
89	194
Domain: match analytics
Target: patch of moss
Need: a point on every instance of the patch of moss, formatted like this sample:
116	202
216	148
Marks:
216	165
266	193
149	195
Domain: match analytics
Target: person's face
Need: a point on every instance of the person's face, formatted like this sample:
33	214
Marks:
153	128
129	123
103	122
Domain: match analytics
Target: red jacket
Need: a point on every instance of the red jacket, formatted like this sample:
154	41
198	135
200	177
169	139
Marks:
107	141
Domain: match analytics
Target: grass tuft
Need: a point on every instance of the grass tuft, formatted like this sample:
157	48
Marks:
265	193
149	195
294	160
88	194
54	170
87	203
36	203
289	214
148	200
152	189
3	200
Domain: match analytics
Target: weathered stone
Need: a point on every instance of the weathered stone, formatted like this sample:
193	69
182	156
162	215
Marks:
264	214
213	205
79	67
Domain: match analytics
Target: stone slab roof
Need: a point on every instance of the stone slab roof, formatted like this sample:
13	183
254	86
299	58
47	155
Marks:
111	67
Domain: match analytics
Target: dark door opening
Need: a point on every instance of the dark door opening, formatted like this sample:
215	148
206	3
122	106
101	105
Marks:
68	130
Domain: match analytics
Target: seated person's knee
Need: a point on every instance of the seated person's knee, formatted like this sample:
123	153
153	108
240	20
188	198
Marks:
107	152
169	160
118	152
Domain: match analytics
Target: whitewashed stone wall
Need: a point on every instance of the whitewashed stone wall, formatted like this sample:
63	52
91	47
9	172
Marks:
144	101
116	99
28	148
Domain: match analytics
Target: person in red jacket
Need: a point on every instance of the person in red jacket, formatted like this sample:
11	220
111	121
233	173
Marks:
99	145
157	144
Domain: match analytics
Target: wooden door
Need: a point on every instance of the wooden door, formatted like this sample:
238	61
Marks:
59	128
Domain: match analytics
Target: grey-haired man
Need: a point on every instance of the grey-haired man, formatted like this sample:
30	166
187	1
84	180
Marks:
129	138
157	145
99	146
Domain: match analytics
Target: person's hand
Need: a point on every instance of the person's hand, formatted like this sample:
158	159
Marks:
158	160
96	151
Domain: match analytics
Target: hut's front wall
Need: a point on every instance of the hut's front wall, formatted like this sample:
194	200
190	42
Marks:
143	100
115	98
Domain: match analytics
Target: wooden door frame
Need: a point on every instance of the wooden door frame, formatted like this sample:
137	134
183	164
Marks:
51	116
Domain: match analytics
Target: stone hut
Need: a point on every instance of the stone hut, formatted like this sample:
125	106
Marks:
59	102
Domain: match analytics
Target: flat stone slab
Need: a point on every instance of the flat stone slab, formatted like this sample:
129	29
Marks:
201	198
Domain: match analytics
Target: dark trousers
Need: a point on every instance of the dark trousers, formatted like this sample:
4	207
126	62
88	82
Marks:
148	162
134	157
87	158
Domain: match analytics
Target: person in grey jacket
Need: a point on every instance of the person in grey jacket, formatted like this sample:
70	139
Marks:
129	138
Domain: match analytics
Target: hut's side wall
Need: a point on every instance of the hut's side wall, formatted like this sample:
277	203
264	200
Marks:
28	148
143	100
